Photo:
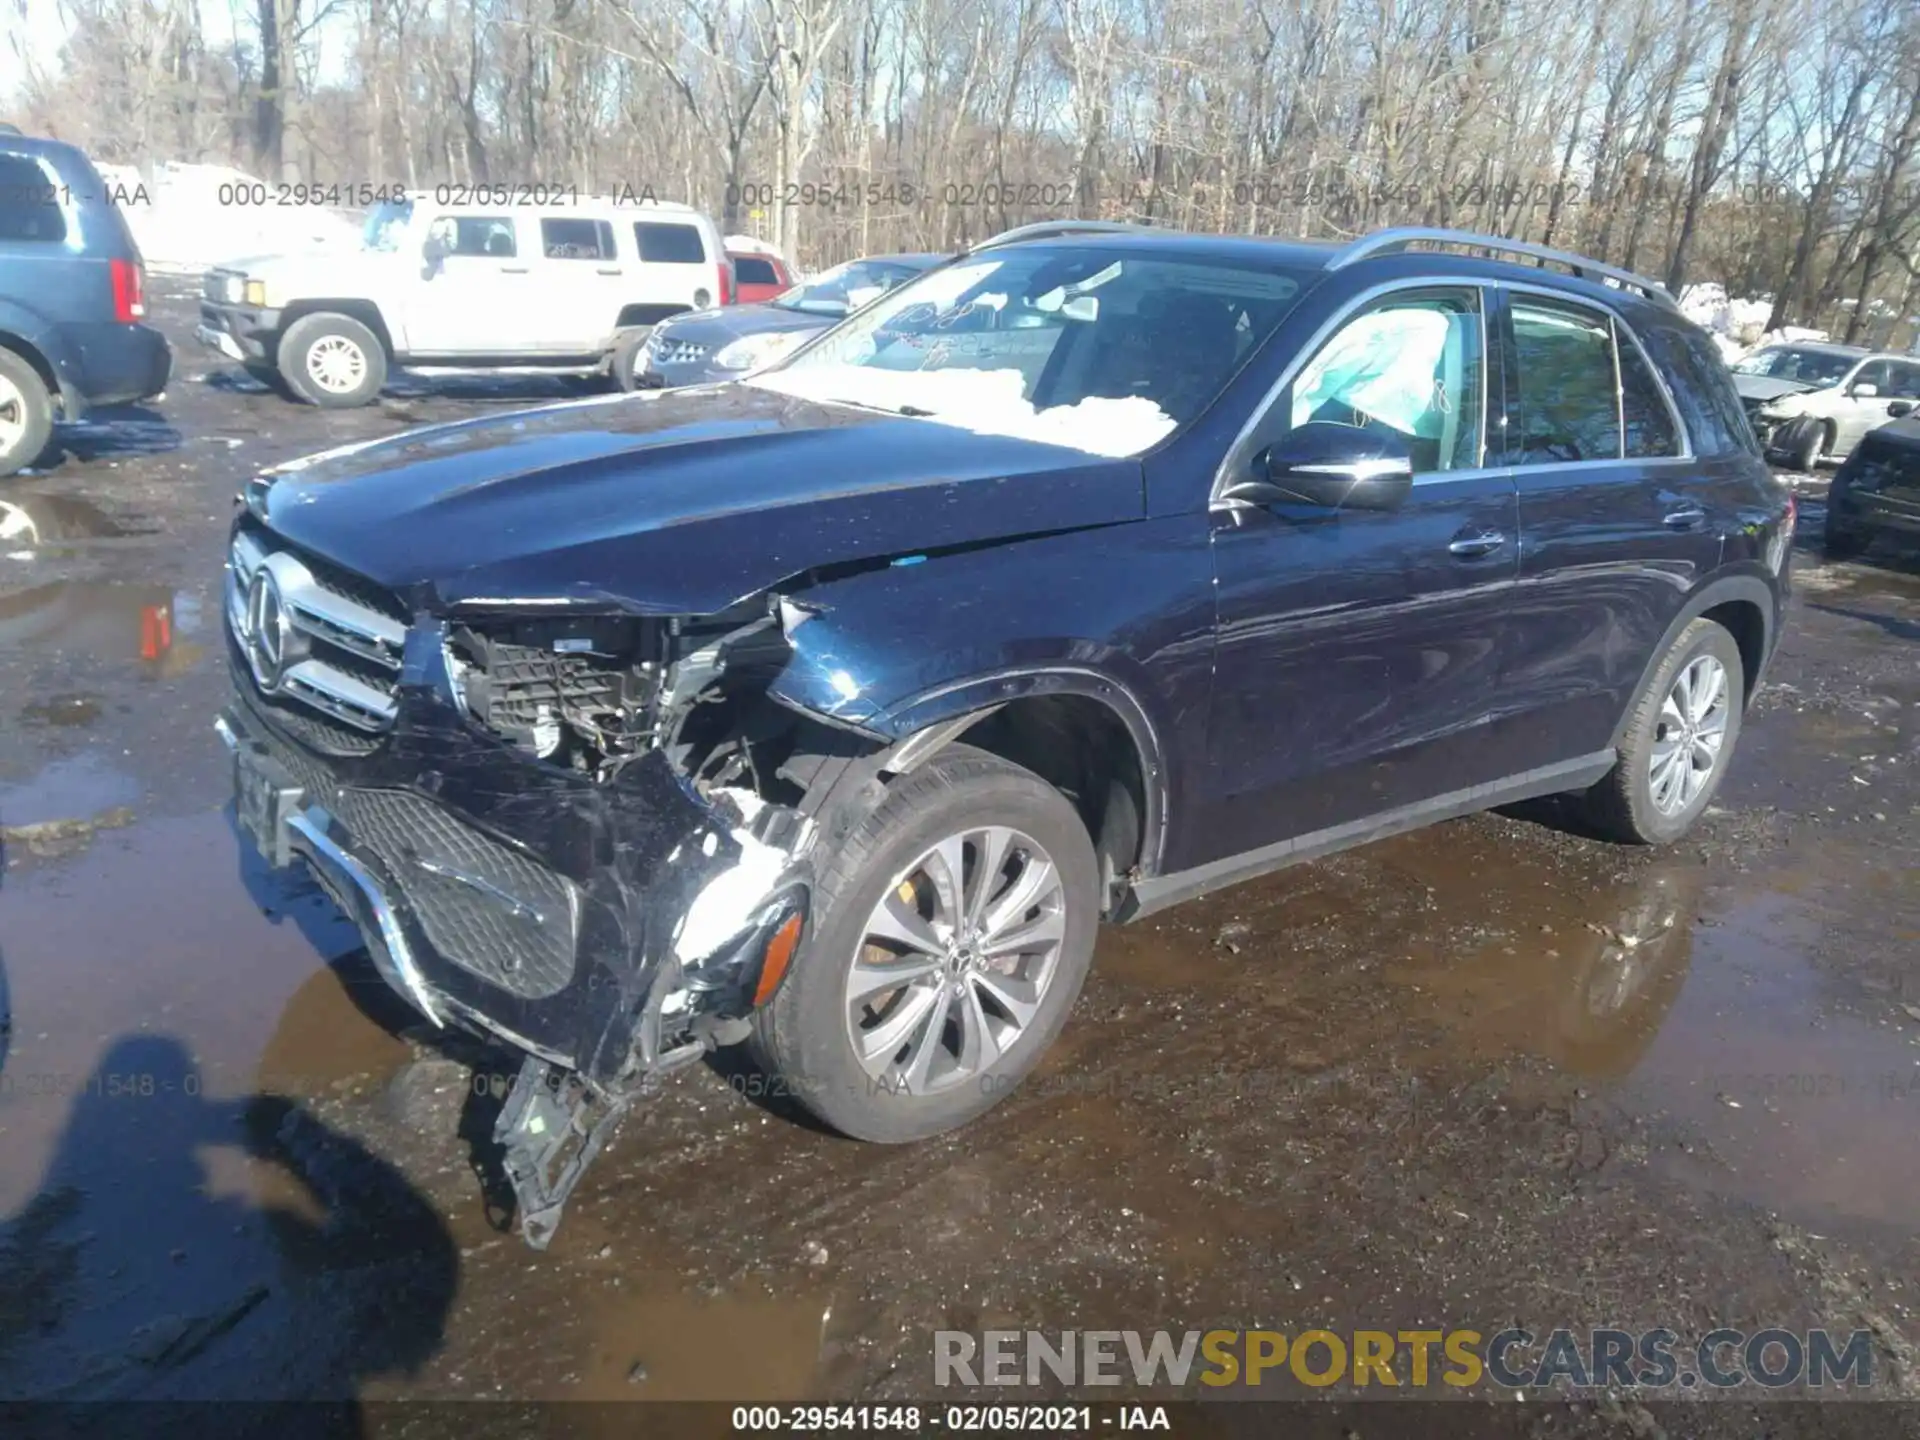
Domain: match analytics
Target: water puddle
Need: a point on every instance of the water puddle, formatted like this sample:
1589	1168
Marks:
150	626
28	522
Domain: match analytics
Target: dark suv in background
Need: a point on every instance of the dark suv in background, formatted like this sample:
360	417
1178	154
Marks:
830	711
72	296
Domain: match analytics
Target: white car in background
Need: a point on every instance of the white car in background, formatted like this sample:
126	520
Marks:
1810	401
475	278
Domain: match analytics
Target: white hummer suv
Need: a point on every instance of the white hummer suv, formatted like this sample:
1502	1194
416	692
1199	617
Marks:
487	283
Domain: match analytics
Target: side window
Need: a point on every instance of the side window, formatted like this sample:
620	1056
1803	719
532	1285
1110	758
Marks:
749	271
1873	373
29	203
672	245
476	236
571	239
1649	424
1569	395
1903	380
1413	364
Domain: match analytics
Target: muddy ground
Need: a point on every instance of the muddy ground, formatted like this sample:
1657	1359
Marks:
1492	1073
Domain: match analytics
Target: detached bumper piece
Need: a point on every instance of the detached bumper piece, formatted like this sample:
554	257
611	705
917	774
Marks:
551	1128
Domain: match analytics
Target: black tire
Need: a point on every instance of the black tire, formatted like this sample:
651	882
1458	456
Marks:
310	332
1802	443
28	413
271	378
1837	540
802	1037
1622	805
626	358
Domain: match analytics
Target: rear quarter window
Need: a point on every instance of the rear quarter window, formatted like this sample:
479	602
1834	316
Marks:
30	202
664	244
1701	387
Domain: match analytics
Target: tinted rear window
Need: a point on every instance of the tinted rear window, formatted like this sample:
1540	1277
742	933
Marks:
670	244
577	239
1701	386
749	271
29	202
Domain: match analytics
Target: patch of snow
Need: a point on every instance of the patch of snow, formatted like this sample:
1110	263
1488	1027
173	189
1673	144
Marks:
1738	320
986	402
188	218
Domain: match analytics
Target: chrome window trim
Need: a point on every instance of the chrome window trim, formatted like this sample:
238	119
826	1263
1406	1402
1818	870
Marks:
1235	456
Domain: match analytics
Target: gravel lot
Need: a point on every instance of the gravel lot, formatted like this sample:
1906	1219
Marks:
1492	1073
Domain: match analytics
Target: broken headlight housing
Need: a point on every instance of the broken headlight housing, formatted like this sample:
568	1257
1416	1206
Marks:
578	692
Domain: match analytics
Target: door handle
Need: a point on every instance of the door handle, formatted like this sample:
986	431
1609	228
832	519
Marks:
513	269
616	270
1692	517
1485	542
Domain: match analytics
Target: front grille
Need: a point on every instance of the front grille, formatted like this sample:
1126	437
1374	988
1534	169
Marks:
315	636
223	287
483	905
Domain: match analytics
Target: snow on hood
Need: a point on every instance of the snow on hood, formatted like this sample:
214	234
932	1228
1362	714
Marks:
986	402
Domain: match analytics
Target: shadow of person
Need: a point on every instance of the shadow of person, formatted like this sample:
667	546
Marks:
185	1248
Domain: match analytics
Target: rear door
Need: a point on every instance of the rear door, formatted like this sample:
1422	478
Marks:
1618	520
1359	653
583	282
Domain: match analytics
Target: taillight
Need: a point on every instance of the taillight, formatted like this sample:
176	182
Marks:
129	290
726	282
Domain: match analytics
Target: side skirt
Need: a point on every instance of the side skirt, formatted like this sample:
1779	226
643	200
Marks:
1147	896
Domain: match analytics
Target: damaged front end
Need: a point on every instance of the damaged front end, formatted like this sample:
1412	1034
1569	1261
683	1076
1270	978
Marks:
584	834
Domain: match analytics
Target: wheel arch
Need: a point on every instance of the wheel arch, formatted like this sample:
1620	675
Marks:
1743	605
36	356
1112	765
365	311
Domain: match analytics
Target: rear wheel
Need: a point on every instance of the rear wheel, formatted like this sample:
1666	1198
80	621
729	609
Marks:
332	361
952	933
1679	739
26	413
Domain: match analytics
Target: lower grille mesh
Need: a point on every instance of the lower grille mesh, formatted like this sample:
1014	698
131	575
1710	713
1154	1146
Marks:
470	915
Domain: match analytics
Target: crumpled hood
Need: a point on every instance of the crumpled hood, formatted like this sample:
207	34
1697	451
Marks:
1766	387
679	502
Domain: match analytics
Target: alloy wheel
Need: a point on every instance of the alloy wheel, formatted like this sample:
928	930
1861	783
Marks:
955	960
1692	728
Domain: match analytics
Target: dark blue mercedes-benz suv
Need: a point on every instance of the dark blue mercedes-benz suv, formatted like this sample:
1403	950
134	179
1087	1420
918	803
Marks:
829	711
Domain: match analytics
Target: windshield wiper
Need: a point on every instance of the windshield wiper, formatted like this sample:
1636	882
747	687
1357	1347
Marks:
912	412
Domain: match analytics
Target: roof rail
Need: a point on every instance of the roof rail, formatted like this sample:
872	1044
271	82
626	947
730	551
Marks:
1043	228
1384	242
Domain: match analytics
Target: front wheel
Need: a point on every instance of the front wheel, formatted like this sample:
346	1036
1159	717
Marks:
1801	446
952	933
332	361
1679	739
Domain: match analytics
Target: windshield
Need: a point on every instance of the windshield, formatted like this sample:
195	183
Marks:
384	224
1103	350
845	287
1791	362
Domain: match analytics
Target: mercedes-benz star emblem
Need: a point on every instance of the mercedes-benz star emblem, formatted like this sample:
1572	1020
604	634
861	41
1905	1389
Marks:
272	642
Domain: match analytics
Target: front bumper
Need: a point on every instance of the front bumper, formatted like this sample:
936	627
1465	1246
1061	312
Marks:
671	375
239	332
510	898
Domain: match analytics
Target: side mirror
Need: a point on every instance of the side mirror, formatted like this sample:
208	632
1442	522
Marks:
1335	467
1899	409
433	250
1865	390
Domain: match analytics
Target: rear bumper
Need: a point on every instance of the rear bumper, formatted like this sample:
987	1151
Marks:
112	364
237	331
509	898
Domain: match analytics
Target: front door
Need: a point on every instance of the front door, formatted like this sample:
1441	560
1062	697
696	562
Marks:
1359	652
477	297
